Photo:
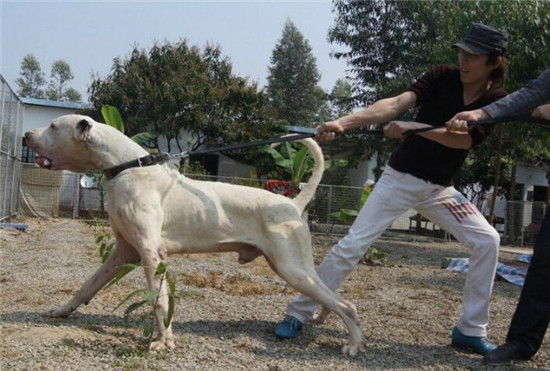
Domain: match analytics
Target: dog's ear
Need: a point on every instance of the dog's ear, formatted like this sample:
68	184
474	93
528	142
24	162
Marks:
83	129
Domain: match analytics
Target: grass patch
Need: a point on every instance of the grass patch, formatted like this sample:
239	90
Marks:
236	284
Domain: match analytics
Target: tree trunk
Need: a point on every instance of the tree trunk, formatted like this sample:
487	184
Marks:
512	207
497	175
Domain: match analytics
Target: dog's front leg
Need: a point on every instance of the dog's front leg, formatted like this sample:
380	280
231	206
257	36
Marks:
122	253
165	338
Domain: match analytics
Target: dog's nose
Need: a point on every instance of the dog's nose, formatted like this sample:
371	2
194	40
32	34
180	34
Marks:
26	136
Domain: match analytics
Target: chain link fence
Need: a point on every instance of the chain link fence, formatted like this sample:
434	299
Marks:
47	193
64	194
522	223
11	128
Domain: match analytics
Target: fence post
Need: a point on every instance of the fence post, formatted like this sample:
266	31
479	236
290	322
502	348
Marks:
329	207
76	201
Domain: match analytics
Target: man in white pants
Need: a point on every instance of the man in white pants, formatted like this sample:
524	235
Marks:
420	175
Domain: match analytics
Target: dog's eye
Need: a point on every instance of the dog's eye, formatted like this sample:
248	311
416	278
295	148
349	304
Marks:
53	125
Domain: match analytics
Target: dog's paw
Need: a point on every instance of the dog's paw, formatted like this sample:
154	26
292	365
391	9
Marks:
353	348
162	344
58	312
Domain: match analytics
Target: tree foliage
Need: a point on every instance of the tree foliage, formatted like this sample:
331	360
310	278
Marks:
292	79
60	76
175	88
388	44
32	78
32	81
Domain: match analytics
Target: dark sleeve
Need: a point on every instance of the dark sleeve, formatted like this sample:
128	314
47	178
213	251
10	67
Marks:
525	100
424	87
479	132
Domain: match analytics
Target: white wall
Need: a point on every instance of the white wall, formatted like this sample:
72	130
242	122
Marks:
531	177
40	116
364	171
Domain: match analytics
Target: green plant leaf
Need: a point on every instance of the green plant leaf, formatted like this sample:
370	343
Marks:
151	295
112	117
132	307
278	158
171	285
144	137
168	318
161	269
124	270
148	329
131	295
299	163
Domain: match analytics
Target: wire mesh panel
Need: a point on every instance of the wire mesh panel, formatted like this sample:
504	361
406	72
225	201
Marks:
332	209
523	221
11	127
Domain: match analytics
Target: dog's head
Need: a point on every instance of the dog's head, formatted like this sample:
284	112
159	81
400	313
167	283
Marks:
70	142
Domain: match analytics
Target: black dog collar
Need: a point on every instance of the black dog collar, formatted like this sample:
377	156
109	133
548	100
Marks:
140	162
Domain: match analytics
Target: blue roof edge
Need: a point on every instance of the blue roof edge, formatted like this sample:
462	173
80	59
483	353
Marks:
53	103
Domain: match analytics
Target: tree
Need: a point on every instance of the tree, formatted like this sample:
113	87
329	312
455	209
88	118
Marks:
72	95
341	98
173	89
60	75
32	78
293	77
389	43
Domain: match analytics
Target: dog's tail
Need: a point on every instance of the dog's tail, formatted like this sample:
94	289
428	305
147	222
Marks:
308	190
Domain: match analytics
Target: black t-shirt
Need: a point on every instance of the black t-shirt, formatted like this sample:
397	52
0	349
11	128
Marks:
440	96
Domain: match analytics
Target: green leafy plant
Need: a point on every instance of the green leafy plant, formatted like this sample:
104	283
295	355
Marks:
106	244
148	298
348	216
103	237
295	161
374	257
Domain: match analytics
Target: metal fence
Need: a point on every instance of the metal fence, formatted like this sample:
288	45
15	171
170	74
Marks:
47	193
11	128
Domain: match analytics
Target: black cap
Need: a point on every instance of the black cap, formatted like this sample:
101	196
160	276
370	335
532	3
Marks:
483	39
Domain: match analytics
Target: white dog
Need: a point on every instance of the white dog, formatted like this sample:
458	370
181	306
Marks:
155	211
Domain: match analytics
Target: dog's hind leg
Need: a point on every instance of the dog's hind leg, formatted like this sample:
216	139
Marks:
304	279
121	254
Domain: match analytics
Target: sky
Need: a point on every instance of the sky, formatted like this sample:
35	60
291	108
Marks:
90	34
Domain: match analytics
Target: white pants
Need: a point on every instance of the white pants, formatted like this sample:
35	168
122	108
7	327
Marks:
394	194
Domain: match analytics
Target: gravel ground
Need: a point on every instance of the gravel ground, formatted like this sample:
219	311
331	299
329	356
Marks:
407	305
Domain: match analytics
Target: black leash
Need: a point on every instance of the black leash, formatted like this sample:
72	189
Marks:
287	138
164	157
491	121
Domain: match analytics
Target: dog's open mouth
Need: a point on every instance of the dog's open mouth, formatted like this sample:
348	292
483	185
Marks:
43	161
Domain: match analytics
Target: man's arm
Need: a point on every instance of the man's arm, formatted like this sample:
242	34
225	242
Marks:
458	140
535	93
379	112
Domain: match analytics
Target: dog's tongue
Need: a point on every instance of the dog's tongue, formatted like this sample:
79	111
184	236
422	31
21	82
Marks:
43	161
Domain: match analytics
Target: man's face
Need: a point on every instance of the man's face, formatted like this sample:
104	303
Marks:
473	67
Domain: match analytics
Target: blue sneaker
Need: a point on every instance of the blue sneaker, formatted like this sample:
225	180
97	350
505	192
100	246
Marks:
476	344
288	328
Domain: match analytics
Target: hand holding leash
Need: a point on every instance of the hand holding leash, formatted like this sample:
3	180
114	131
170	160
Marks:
327	132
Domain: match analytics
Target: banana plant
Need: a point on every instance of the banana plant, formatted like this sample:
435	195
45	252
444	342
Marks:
112	117
297	163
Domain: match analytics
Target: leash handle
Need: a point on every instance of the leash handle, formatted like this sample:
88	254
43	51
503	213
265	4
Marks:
287	138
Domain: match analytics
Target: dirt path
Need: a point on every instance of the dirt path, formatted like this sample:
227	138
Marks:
225	312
